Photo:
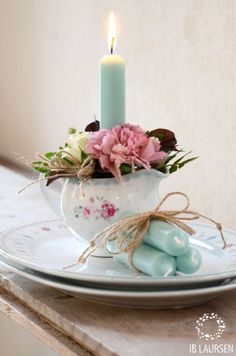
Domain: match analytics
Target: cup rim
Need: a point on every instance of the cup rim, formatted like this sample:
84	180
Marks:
125	177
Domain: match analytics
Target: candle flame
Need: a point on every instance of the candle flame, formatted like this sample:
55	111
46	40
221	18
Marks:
112	32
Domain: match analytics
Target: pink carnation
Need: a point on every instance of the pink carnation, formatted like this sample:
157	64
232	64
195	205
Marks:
108	210
124	144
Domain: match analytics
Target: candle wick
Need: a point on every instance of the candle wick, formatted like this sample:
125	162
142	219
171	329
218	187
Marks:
112	44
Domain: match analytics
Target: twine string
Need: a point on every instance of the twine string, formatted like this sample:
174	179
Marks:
128	233
83	171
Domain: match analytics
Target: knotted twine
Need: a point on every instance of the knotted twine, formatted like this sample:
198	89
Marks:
84	171
128	233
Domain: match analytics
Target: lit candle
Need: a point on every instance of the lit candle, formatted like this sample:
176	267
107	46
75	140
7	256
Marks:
112	83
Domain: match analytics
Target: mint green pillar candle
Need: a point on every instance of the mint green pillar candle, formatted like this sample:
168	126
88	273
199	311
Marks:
150	261
112	91
167	238
190	261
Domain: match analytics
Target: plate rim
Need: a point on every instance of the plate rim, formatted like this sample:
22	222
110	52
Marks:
126	294
110	280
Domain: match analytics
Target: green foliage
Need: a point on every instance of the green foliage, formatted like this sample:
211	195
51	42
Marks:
172	156
67	160
83	155
187	161
125	168
72	130
158	135
62	162
49	155
172	164
40	166
162	168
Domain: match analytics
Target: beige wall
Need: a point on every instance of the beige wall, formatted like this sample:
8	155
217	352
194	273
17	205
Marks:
181	74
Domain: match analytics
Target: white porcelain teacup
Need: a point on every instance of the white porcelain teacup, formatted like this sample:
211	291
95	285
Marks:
103	201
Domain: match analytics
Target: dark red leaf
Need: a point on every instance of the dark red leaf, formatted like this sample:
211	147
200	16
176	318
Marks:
93	126
166	137
54	176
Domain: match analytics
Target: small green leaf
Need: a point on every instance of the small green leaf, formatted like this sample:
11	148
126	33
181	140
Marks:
72	130
67	160
125	168
187	161
41	169
83	156
157	135
40	163
49	155
173	169
180	159
161	168
169	158
154	134
37	162
48	173
59	154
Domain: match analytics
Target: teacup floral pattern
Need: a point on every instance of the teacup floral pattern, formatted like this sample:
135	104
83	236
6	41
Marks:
97	208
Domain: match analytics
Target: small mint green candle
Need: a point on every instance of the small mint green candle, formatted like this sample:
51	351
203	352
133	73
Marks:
150	261
167	238
112	91
190	261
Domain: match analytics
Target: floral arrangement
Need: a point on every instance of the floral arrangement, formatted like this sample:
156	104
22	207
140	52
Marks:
101	153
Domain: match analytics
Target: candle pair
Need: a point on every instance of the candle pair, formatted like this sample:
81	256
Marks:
164	251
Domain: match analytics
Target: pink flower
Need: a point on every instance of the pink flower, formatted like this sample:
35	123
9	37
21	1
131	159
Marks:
108	210
124	144
45	228
86	212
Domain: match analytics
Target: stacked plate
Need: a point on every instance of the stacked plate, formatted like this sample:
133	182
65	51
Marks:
42	251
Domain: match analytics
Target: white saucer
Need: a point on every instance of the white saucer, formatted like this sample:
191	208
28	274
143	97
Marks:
131	299
49	246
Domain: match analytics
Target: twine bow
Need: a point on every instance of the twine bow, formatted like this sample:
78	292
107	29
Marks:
128	233
59	169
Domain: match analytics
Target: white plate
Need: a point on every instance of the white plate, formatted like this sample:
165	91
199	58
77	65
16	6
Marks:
49	246
130	299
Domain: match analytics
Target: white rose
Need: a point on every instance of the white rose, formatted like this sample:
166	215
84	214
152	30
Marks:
76	144
72	153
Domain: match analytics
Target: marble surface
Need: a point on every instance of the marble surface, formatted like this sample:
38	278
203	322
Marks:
81	327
